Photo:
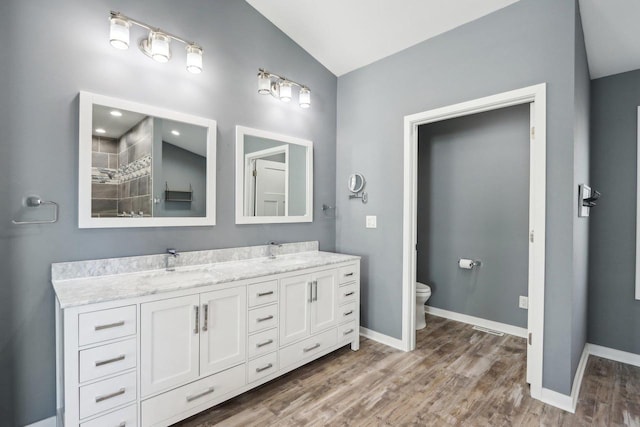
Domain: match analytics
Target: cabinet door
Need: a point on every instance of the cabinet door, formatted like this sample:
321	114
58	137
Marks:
324	300
169	343
223	332
294	308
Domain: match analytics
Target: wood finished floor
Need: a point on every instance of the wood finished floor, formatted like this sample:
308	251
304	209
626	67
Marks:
456	376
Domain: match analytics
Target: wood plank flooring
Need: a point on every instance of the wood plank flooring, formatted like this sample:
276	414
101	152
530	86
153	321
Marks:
456	376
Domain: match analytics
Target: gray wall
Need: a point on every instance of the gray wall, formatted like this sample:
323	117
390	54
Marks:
182	170
581	141
473	202
614	314
38	143
529	42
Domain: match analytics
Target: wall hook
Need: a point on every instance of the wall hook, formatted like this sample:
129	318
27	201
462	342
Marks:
34	202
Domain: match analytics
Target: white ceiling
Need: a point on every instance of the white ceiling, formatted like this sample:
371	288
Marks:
347	34
612	35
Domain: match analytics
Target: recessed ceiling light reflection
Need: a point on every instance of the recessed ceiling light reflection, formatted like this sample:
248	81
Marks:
116	113
175	132
100	130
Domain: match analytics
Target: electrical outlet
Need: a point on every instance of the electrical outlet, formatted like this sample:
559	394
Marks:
371	221
523	302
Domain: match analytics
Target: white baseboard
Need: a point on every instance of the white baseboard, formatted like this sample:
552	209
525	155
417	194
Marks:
478	321
47	422
382	338
562	401
615	355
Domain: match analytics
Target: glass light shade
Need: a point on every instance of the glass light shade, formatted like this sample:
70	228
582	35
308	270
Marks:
304	97
194	59
119	33
264	83
285	91
159	46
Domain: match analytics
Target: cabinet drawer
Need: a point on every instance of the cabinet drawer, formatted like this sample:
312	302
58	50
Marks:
125	417
263	318
348	274
263	293
347	312
170	405
307	348
107	394
104	325
107	359
347	293
347	332
262	367
263	342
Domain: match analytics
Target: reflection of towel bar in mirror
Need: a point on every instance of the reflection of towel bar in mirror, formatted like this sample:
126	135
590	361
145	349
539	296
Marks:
34	202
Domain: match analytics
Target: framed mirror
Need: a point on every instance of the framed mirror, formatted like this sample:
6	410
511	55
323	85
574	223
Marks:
144	166
274	177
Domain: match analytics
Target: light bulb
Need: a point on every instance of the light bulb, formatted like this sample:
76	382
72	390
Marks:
119	33
159	46
304	97
194	59
264	83
285	91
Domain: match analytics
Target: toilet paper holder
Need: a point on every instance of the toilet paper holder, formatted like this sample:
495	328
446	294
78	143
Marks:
469	263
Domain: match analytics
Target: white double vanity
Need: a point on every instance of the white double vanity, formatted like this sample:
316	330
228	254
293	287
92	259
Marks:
140	345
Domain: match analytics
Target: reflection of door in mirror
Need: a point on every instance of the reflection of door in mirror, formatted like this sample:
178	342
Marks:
267	182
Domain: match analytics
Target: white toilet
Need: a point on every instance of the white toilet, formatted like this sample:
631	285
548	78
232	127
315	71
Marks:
423	292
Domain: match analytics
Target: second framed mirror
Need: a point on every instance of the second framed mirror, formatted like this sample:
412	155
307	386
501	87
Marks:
274	177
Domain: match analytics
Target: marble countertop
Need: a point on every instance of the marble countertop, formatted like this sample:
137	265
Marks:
91	290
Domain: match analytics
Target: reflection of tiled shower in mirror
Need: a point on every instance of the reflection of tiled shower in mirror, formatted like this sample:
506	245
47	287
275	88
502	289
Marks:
121	172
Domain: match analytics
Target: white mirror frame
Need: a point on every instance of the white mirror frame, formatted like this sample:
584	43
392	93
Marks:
241	218
85	220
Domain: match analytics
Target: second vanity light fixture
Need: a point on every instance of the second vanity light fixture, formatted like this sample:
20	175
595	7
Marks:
280	87
157	45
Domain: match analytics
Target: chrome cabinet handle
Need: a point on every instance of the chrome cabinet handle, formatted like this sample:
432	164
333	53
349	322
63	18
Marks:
347	332
264	294
110	325
348	294
348	313
262	344
122	424
106	362
310	291
199	395
264	368
315	290
313	347
196	309
206	318
265	318
348	274
110	395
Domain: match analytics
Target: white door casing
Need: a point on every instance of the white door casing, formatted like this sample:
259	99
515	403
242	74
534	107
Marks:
536	96
270	188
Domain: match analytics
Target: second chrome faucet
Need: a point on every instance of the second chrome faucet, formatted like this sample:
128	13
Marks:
172	256
273	245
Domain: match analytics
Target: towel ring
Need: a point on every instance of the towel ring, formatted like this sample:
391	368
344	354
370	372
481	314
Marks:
34	202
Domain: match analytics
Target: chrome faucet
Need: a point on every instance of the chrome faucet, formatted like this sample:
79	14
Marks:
271	246
172	255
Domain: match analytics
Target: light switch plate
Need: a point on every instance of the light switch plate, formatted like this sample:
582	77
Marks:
372	221
523	302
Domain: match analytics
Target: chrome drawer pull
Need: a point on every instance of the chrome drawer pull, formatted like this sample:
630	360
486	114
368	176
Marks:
348	274
262	344
196	309
199	395
313	347
348	294
111	395
205	325
110	325
106	362
264	294
347	332
269	366
348	313
264	319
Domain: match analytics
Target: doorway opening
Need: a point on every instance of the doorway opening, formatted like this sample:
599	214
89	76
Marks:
536	97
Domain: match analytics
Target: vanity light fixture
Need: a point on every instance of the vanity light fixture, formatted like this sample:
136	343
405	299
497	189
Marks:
281	88
157	45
